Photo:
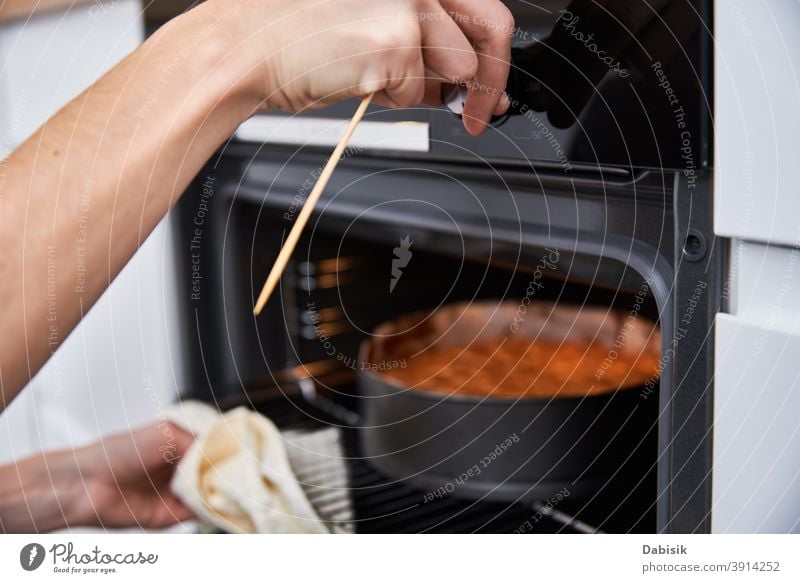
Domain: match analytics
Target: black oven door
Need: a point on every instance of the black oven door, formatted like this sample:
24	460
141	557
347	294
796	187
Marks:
594	84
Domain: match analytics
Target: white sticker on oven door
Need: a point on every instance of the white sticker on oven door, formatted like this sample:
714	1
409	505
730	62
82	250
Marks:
409	136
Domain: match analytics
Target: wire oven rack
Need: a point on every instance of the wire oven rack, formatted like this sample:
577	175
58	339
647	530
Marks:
351	497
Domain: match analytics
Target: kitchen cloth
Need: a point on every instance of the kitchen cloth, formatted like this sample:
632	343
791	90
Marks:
236	475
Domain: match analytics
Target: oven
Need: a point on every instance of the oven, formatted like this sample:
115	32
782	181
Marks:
610	209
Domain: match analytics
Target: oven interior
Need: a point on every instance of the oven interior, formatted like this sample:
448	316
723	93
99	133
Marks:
297	363
479	214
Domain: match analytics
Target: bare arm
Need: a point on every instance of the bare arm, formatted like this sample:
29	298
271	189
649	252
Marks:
96	179
80	196
122	480
14	9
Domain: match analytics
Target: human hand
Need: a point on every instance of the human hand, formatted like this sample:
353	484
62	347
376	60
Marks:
126	477
120	481
307	53
489	26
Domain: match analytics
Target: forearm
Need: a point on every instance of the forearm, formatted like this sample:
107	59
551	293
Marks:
14	9
120	481
79	196
40	494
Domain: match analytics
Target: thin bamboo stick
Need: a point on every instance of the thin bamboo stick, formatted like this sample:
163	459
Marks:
308	207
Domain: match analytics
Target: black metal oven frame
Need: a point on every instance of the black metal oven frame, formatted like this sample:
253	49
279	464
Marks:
652	227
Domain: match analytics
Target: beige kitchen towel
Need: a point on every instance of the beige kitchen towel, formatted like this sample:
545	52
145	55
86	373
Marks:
237	475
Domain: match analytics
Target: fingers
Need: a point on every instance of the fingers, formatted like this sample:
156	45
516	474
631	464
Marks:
433	93
165	509
125	478
502	105
405	85
394	69
183	439
161	444
448	53
149	449
410	88
489	25
441	53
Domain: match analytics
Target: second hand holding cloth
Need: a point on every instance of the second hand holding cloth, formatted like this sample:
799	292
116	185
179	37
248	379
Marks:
237	476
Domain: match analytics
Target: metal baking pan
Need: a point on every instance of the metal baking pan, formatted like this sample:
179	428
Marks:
500	448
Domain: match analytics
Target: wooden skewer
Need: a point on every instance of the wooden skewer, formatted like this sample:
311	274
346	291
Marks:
305	213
